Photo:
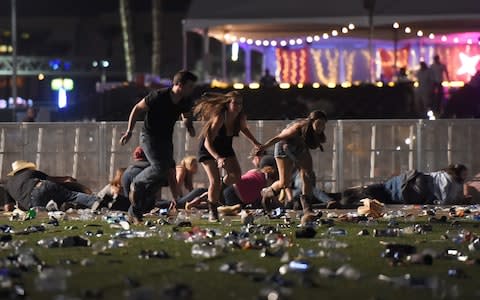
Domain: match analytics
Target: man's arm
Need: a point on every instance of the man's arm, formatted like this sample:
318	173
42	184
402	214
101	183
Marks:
137	110
187	119
61	179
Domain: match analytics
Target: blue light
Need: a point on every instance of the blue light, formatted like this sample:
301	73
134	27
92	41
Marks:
55	64
67	65
62	98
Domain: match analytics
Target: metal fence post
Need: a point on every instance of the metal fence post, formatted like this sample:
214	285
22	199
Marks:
340	157
419	140
373	147
102	151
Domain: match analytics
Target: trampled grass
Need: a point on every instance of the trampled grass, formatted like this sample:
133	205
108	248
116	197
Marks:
112	273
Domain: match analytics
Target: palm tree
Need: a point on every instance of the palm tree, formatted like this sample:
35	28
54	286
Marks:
129	50
156	35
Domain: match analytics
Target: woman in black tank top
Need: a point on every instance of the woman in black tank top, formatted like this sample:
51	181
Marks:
224	119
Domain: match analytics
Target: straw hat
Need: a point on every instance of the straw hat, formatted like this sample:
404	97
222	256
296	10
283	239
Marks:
19	165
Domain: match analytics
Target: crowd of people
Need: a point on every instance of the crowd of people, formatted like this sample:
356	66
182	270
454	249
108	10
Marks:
285	179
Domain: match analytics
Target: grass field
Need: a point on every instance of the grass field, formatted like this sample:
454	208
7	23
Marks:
121	274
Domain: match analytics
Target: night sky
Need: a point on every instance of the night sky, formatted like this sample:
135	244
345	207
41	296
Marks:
82	7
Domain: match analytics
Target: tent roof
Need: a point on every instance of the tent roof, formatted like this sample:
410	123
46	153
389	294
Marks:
282	18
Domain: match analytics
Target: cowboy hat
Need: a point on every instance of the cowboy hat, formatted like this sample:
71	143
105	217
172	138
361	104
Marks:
19	165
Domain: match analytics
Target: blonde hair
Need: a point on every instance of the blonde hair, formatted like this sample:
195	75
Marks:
214	104
187	163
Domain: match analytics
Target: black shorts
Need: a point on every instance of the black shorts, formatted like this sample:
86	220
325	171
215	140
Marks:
223	146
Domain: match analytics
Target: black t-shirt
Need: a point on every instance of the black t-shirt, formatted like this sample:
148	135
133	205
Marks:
22	183
163	113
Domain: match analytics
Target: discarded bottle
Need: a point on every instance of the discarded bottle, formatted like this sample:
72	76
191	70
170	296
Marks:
475	245
114	243
457	273
326	272
455	254
398	252
49	243
59	215
5	228
363	232
294	266
332	244
149	254
336	231
31	214
52	280
200	251
420	259
389	232
348	272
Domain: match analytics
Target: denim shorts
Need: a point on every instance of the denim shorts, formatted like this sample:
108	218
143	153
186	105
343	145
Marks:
284	149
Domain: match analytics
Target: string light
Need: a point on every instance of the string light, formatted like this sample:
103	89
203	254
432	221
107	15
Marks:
408	30
431	36
303	66
396	25
293	41
293	69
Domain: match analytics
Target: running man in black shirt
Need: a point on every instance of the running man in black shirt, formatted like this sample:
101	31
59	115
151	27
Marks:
163	108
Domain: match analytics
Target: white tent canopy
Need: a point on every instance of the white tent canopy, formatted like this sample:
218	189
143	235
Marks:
282	18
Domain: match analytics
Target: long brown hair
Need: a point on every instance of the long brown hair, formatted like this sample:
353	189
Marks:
211	105
307	132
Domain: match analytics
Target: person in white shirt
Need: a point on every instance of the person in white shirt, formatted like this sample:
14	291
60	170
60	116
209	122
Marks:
448	184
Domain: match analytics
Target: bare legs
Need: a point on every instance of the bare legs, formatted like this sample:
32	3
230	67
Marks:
233	174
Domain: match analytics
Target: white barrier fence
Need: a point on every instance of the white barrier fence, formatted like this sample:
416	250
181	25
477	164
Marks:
356	152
